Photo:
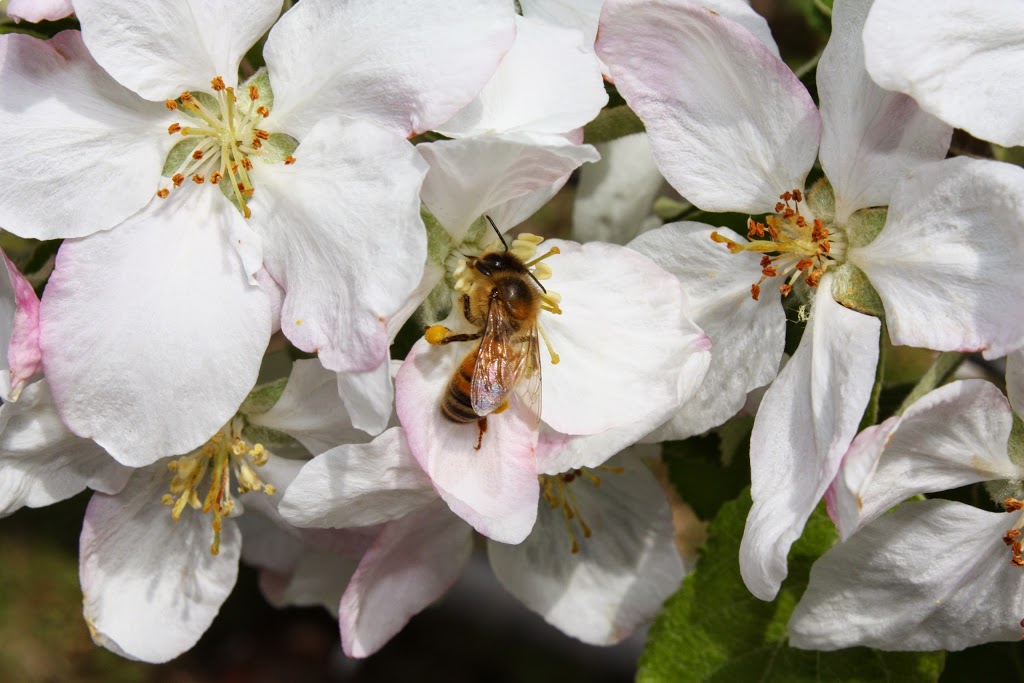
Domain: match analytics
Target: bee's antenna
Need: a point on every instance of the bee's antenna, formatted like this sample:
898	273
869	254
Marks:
500	236
538	282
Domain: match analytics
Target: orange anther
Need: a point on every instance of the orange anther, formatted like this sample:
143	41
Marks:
218	83
755	291
177	179
261	134
186	96
814	278
256	143
798	195
1017	561
785	289
173	128
254	93
289	160
162	193
804	264
1012	504
171	104
197	155
246	164
198	179
215	177
263	111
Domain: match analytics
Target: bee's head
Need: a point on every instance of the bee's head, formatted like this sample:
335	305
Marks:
495	262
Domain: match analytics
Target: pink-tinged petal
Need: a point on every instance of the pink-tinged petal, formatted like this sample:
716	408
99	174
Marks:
871	137
474	176
953	436
947	263
411	564
743	14
494	488
623	571
39	10
546	83
358	485
1015	380
159	49
406	65
150	585
959	60
152	334
614	199
310	410
24	357
731	127
625	325
933	575
318	578
81	152
747	336
806	422
41	462
274	294
328	223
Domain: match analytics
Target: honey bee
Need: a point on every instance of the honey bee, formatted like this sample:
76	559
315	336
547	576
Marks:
504	302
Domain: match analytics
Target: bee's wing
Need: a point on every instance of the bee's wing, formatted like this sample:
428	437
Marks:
527	382
499	362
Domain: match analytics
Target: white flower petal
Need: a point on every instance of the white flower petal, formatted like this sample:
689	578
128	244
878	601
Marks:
358	485
39	10
614	199
806	422
327	221
741	12
546	83
151	333
731	127
947	263
582	15
933	575
406	65
474	176
81	152
41	462
871	137
747	336
953	436
411	564
159	49
150	585
959	60
623	571
494	488
19	332
310	410
318	578
1015	380
629	350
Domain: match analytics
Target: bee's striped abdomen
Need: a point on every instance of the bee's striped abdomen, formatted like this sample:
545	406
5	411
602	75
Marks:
456	404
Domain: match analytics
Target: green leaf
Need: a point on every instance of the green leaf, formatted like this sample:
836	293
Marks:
612	123
713	629
940	371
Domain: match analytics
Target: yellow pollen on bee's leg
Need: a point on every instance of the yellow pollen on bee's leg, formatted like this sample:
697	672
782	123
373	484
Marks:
435	334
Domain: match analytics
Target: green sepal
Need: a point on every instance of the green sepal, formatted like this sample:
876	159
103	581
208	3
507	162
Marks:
208	101
176	157
263	397
821	200
439	240
278	147
612	123
669	210
1015	447
261	79
851	288
864	225
267	437
713	629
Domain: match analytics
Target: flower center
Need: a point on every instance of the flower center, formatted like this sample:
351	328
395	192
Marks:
227	135
224	453
556	491
1013	536
793	245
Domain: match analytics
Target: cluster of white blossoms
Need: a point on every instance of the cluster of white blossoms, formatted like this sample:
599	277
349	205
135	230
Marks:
217	219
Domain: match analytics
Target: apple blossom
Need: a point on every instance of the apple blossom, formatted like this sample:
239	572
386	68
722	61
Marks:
599	562
885	587
158	264
621	355
154	575
733	129
958	59
39	10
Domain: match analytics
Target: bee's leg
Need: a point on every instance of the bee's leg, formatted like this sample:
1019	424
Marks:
482	426
439	334
466	308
